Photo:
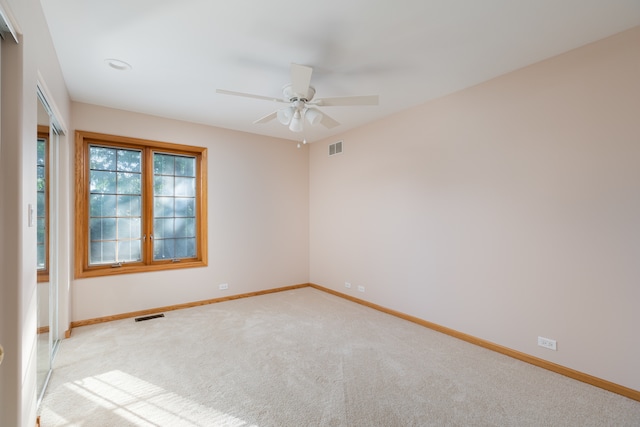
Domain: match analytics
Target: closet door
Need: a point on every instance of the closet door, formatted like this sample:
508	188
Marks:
47	219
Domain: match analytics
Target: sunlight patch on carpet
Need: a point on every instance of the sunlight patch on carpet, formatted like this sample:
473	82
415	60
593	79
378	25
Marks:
142	403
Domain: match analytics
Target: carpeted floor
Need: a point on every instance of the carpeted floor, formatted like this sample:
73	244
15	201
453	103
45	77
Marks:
305	358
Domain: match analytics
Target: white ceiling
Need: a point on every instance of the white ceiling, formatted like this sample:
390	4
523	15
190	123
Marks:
406	51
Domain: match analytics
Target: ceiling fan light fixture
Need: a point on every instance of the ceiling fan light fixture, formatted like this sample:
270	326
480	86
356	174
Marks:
296	122
313	116
285	115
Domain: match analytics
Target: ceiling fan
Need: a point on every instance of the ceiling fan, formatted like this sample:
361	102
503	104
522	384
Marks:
299	95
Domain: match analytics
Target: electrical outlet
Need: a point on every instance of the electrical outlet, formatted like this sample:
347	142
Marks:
223	286
547	343
360	288
347	285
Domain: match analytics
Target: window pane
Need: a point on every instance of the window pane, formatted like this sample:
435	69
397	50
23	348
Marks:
42	150
129	161
185	166
191	247
101	158
129	250
163	207
129	228
41	231
41	177
102	182
102	205
129	183
40	209
163	228
185	227
185	248
163	249
163	185
185	207
185	186
41	257
163	164
128	206
102	252
102	229
41	182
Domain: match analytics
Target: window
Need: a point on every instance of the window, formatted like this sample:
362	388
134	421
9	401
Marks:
42	207
140	205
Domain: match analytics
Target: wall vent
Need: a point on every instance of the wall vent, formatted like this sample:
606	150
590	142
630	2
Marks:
335	148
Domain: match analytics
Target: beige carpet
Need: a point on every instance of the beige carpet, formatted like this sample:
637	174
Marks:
305	358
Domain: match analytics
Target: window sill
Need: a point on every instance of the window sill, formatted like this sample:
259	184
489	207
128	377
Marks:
136	268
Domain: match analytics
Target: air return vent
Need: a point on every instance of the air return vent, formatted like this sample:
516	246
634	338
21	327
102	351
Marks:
153	316
335	148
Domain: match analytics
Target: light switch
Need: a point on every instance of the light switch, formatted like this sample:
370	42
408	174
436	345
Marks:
30	215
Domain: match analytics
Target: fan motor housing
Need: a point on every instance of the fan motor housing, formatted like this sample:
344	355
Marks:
288	93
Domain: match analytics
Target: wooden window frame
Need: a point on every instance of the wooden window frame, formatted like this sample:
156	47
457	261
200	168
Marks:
82	267
43	273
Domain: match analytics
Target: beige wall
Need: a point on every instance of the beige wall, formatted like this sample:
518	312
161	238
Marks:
506	211
258	217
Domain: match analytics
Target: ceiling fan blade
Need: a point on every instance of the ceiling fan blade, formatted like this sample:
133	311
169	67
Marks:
300	79
346	101
249	95
328	122
266	118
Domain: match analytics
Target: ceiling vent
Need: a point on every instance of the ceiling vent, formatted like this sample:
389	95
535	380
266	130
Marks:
335	148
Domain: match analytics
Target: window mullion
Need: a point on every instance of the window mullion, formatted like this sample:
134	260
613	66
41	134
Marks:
147	194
